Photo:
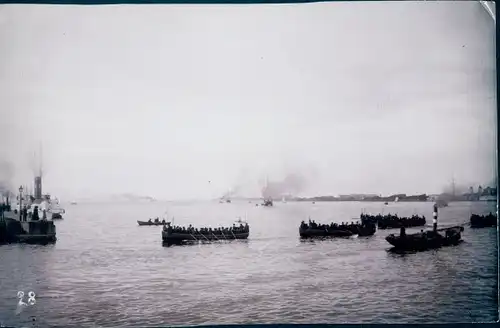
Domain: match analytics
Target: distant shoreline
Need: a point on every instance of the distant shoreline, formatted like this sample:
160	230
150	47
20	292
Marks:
382	200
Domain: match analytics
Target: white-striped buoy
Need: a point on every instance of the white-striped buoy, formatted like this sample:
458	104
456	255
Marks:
435	218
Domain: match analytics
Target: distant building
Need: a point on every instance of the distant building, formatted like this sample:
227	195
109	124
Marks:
488	191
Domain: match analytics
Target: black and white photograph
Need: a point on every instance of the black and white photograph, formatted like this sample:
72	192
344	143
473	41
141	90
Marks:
233	164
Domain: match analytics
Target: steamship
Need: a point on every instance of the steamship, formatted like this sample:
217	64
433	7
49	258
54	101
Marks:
43	202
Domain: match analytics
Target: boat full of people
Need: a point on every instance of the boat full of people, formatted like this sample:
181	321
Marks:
390	221
176	234
150	222
483	221
425	240
312	229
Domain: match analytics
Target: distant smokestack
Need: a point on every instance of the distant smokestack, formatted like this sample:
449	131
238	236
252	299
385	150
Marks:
38	187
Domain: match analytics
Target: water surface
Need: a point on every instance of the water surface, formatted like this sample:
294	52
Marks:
107	271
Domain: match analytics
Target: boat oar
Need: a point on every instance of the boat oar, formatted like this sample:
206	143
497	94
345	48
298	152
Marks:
233	234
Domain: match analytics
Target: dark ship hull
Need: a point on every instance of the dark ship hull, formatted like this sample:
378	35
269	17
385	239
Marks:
369	230
394	225
426	240
176	237
311	233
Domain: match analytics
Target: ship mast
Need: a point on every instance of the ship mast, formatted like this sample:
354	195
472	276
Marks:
41	162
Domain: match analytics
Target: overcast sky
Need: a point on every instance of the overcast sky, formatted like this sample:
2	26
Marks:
375	97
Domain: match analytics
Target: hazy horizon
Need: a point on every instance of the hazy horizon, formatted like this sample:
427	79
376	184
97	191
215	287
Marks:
192	102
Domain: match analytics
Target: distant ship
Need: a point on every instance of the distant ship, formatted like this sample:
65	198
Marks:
43	202
268	202
440	203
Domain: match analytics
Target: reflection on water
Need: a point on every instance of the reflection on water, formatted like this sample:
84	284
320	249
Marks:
107	271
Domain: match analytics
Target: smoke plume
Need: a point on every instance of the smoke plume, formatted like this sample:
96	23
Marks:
290	186
6	175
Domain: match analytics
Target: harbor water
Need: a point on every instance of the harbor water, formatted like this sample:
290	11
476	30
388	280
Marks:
106	271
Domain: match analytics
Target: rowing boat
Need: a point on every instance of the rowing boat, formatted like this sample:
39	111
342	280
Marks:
150	223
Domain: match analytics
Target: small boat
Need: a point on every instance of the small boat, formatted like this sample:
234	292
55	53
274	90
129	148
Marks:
426	239
151	223
440	203
268	202
483	221
73	203
386	203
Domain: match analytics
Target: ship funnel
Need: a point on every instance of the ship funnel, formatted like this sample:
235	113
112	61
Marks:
38	187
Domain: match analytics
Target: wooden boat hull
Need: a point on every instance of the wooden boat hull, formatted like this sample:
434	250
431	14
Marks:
311	233
419	241
36	239
176	237
396	225
366	231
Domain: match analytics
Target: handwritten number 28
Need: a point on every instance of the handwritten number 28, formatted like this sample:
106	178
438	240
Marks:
31	298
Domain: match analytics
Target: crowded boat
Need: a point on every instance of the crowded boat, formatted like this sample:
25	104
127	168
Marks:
174	234
344	229
483	221
390	221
